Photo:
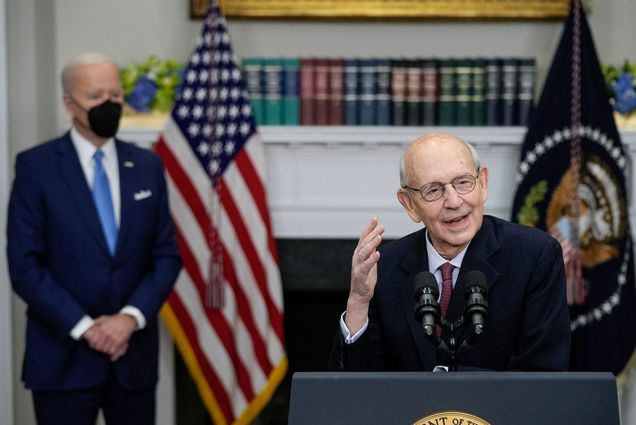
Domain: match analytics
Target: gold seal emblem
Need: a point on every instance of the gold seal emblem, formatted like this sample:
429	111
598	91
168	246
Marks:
451	418
595	235
602	221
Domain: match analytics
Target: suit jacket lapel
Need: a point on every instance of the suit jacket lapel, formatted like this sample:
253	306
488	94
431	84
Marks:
71	170
127	178
483	245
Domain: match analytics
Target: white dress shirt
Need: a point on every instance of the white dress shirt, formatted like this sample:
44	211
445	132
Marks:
85	152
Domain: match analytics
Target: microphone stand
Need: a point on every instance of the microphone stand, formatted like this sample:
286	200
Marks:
449	349
427	312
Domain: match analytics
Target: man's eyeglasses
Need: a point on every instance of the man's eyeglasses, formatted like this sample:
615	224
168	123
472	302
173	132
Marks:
433	191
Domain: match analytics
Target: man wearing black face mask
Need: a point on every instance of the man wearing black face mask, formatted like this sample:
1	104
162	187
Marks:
103	119
92	251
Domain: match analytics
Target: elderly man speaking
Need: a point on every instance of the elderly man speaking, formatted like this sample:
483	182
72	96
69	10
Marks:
444	186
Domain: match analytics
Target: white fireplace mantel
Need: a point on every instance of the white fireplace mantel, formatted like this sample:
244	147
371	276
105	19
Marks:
327	182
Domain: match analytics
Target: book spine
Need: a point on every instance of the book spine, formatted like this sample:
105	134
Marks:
273	91
253	71
527	70
430	92
368	92
478	92
493	92
509	92
414	92
336	92
446	115
463	81
321	81
307	91
398	92
383	70
351	100
291	99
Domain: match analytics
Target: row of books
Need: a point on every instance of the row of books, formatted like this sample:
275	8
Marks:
413	92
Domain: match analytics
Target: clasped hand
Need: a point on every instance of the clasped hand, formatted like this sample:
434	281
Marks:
110	334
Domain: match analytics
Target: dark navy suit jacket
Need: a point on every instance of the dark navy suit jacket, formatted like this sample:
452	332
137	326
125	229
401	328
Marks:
61	267
528	327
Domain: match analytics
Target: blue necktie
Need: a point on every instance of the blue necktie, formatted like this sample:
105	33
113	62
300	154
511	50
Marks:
104	202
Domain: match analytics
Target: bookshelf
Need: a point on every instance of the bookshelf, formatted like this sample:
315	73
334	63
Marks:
328	181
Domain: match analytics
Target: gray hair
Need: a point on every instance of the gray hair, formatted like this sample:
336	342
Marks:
89	58
471	149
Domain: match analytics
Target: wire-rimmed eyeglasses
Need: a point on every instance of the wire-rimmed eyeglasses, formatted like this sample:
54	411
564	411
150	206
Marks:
433	191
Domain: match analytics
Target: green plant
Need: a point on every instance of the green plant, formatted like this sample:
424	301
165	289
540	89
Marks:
151	84
621	83
528	214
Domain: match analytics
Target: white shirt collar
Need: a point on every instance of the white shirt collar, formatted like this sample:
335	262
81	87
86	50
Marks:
85	152
85	149
435	260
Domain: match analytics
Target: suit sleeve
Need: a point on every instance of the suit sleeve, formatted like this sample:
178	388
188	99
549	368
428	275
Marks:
544	341
365	354
26	253
157	282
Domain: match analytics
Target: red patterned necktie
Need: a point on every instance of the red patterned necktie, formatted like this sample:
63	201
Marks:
447	290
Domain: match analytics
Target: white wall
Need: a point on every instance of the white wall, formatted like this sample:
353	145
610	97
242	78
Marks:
30	35
6	351
43	34
128	30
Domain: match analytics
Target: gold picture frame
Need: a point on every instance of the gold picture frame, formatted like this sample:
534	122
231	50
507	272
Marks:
388	9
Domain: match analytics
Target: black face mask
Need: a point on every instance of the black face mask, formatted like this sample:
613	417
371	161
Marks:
104	118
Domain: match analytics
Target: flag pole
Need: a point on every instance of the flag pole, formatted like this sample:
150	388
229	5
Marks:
214	291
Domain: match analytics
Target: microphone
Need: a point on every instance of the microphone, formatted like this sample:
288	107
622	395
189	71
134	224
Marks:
427	310
476	297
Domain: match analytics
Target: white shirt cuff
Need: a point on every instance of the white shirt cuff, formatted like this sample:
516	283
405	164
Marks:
345	331
136	314
81	327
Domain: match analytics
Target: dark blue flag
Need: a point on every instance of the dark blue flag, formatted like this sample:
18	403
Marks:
572	183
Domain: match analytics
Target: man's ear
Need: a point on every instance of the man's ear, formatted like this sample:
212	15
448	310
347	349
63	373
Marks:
68	103
483	182
407	203
483	172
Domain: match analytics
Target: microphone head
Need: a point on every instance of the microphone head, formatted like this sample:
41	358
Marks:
476	296
426	306
425	281
475	281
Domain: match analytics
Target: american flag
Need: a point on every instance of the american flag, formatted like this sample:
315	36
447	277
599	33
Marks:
226	311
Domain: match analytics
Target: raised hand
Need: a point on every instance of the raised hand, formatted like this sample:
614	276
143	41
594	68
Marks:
364	275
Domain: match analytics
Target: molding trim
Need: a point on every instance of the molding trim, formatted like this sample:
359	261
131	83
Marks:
6	296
